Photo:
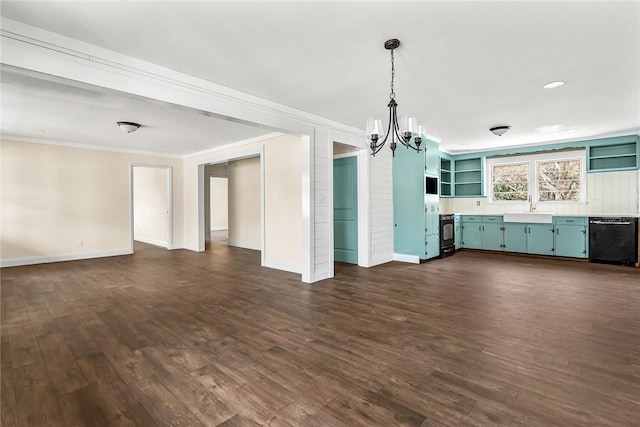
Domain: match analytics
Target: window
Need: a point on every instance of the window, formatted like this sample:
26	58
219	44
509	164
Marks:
510	182
559	180
547	177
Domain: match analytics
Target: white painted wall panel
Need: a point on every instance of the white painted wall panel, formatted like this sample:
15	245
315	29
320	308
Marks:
608	193
381	199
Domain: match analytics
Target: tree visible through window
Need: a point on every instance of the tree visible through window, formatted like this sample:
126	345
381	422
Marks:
510	182
559	180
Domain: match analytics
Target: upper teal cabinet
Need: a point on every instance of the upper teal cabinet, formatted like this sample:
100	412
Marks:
615	156
445	177
468	177
432	157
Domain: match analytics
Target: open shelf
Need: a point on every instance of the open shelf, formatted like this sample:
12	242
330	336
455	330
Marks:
614	156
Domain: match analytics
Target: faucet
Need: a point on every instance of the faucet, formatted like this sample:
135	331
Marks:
530	199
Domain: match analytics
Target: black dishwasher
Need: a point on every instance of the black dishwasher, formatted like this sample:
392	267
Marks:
613	240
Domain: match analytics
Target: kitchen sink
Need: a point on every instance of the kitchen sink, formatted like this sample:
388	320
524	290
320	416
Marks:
529	217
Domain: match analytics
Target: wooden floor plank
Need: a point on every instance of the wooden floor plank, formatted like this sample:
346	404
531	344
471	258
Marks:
177	337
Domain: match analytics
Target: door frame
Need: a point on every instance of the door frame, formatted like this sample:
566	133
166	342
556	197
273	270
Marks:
256	151
169	172
362	174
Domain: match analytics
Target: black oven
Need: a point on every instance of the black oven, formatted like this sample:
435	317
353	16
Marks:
447	235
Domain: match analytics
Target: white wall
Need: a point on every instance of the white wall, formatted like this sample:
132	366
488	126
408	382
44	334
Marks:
244	203
608	193
283	204
219	203
150	205
62	203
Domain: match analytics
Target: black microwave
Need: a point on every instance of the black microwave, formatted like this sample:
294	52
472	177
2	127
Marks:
431	185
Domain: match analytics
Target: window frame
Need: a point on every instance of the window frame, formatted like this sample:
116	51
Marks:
532	161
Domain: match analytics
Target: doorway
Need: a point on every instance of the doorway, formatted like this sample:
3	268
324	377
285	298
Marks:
345	208
151	205
218	209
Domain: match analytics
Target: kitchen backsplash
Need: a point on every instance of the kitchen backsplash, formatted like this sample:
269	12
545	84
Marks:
607	193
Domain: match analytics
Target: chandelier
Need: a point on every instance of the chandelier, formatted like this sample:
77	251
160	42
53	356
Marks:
408	131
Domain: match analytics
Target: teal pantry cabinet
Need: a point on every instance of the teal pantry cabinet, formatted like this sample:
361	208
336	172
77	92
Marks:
482	232
415	214
571	239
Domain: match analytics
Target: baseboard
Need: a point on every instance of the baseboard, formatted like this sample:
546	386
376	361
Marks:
243	245
32	260
413	259
154	242
219	228
281	266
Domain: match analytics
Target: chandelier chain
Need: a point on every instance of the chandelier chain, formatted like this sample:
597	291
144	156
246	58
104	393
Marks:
392	95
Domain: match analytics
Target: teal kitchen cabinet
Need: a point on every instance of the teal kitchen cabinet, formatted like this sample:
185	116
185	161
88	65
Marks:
432	229
492	236
457	231
432	157
415	215
571	239
445	177
471	231
540	239
515	237
529	238
482	232
432	246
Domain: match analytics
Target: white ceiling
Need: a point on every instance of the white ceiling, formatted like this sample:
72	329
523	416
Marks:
463	67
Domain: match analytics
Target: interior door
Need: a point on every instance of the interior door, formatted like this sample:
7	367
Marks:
345	209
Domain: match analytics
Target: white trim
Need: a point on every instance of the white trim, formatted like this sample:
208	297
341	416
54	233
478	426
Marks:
244	245
218	228
413	259
263	232
233	145
345	155
15	262
308	253
154	242
282	266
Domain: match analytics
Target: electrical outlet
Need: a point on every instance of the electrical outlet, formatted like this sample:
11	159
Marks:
80	243
478	203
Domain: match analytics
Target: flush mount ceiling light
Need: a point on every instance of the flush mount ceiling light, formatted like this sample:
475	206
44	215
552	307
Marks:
128	127
553	85
404	131
499	130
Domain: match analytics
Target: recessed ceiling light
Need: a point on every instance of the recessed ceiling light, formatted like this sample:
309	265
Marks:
553	85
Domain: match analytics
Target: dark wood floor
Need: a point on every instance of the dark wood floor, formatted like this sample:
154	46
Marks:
183	338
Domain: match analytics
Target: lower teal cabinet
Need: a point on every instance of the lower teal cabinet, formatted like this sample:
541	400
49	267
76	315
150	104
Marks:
540	239
432	246
457	231
515	237
492	237
482	232
529	238
472	235
571	237
566	236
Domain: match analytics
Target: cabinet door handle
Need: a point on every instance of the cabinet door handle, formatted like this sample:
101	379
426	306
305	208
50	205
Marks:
557	231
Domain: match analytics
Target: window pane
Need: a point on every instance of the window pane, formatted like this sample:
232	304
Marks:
510	182
559	180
